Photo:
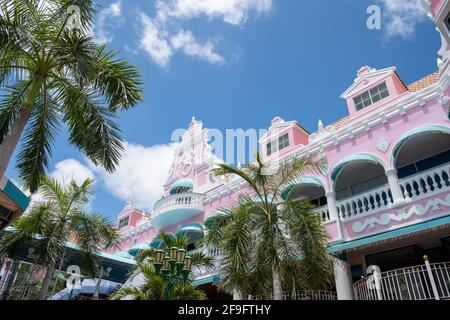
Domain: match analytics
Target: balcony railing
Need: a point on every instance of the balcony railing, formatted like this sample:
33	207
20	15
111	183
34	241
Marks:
422	184
179	200
365	203
302	295
428	182
412	283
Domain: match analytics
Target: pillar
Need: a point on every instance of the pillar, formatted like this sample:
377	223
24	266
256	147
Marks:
343	278
334	214
396	190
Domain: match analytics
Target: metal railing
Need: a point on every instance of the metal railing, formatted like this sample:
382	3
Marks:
301	295
423	282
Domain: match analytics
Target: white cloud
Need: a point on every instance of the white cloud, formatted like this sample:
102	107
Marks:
108	18
402	17
185	40
141	174
162	35
154	42
71	169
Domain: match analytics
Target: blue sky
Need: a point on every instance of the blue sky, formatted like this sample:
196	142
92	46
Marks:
238	64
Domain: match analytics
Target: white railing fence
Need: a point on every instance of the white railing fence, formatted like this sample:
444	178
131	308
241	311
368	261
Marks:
430	281
182	199
426	182
365	203
302	295
323	212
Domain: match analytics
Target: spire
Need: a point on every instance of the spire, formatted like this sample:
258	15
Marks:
320	124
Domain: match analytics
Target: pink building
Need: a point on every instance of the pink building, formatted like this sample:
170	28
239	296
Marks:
384	199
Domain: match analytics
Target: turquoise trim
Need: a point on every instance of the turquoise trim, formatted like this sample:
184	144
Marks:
13	192
124	254
181	183
355	157
211	279
138	247
390	234
311	181
416	131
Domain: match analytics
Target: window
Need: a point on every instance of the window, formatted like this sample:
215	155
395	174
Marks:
370	97
123	222
279	144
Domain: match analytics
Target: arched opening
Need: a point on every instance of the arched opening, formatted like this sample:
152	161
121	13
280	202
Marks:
422	160
194	232
361	185
311	189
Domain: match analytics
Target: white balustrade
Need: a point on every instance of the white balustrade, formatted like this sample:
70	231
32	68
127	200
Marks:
412	283
427	182
365	203
179	200
301	295
323	213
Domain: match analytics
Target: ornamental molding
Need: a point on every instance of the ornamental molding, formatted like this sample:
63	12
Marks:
401	214
383	145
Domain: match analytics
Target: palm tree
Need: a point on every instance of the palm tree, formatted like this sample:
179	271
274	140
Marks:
61	219
270	241
49	75
155	287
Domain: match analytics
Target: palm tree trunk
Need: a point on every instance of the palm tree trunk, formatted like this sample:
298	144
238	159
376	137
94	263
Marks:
26	292
277	288
9	281
46	282
99	283
11	140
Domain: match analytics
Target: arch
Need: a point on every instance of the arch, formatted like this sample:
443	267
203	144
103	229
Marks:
182	185
360	157
307	181
430	128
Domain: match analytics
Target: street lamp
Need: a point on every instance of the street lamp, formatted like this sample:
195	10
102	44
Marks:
174	265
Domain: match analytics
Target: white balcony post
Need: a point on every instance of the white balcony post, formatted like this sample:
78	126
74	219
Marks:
332	209
237	295
432	281
396	190
343	279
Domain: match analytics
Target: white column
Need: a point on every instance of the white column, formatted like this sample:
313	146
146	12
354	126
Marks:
237	295
396	191
334	214
343	279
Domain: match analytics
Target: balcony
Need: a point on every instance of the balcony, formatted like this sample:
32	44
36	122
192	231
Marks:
176	208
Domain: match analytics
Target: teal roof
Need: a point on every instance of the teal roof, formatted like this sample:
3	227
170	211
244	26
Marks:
138	247
390	234
124	254
14	193
361	157
193	231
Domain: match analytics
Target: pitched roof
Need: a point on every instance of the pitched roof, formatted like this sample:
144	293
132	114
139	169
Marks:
424	82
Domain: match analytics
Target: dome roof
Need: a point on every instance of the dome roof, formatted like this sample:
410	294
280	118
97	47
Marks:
182	185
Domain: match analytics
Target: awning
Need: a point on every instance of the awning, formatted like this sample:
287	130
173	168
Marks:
138	247
418	131
124	254
157	243
193	231
361	157
209	222
390	234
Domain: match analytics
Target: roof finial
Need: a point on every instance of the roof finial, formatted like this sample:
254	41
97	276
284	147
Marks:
320	124
239	165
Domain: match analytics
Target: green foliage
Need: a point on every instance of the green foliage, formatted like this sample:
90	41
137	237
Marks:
60	219
61	75
264	233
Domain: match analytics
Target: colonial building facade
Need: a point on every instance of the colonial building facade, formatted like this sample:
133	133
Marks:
384	198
